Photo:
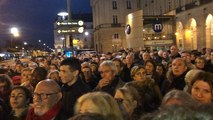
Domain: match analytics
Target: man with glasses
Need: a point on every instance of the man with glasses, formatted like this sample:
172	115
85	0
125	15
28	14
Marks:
46	102
73	86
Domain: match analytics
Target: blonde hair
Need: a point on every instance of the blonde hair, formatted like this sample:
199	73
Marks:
105	103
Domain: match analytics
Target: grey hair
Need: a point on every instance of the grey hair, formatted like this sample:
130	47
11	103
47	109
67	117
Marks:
183	97
110	64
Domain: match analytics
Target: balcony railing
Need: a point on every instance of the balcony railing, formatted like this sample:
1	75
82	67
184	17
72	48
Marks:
110	25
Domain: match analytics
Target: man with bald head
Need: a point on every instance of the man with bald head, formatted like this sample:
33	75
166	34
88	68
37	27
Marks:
46	102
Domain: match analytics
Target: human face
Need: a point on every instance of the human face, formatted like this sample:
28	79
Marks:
44	98
140	75
202	92
54	76
178	67
107	73
199	63
126	101
129	59
88	107
159	70
146	56
66	74
26	76
186	57
18	99
119	68
149	68
165	54
87	73
52	68
174	50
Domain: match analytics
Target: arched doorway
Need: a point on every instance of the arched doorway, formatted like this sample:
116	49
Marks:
179	35
209	31
191	35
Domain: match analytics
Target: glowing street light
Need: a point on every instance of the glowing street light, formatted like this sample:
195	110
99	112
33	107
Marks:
63	15
14	31
25	43
86	33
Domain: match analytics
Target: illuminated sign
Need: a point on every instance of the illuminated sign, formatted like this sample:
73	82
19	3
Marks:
70	23
157	25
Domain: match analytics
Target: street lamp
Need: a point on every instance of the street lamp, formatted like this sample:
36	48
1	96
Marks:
63	15
15	32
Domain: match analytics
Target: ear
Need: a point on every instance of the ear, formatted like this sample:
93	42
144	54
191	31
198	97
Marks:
76	72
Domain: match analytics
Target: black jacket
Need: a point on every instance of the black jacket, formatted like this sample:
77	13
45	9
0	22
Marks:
71	94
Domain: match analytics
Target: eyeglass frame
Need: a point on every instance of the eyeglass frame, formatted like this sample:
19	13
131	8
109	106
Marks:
45	94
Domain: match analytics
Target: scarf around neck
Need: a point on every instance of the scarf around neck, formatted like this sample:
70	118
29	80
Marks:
49	115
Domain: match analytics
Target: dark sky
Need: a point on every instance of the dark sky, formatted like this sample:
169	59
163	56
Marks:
35	18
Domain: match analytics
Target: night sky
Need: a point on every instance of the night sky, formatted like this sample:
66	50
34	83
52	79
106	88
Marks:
35	18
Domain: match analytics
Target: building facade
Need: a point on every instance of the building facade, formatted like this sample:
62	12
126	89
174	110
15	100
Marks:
194	22
109	18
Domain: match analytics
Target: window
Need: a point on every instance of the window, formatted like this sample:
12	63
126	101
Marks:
116	36
115	19
114	4
128	3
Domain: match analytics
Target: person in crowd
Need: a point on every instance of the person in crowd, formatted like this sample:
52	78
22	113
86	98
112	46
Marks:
202	87
38	74
88	77
6	86
209	64
128	99
174	52
190	75
178	97
109	82
150	67
88	116
138	73
53	67
119	64
159	56
47	102
100	103
32	65
70	77
193	56
4	110
174	112
26	75
150	96
200	63
20	98
129	63
54	75
94	69
18	69
161	71
165	58
175	76
187	58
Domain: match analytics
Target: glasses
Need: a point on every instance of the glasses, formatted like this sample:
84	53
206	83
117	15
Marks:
43	96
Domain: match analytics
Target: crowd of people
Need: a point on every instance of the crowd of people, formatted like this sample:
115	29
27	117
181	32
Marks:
124	85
